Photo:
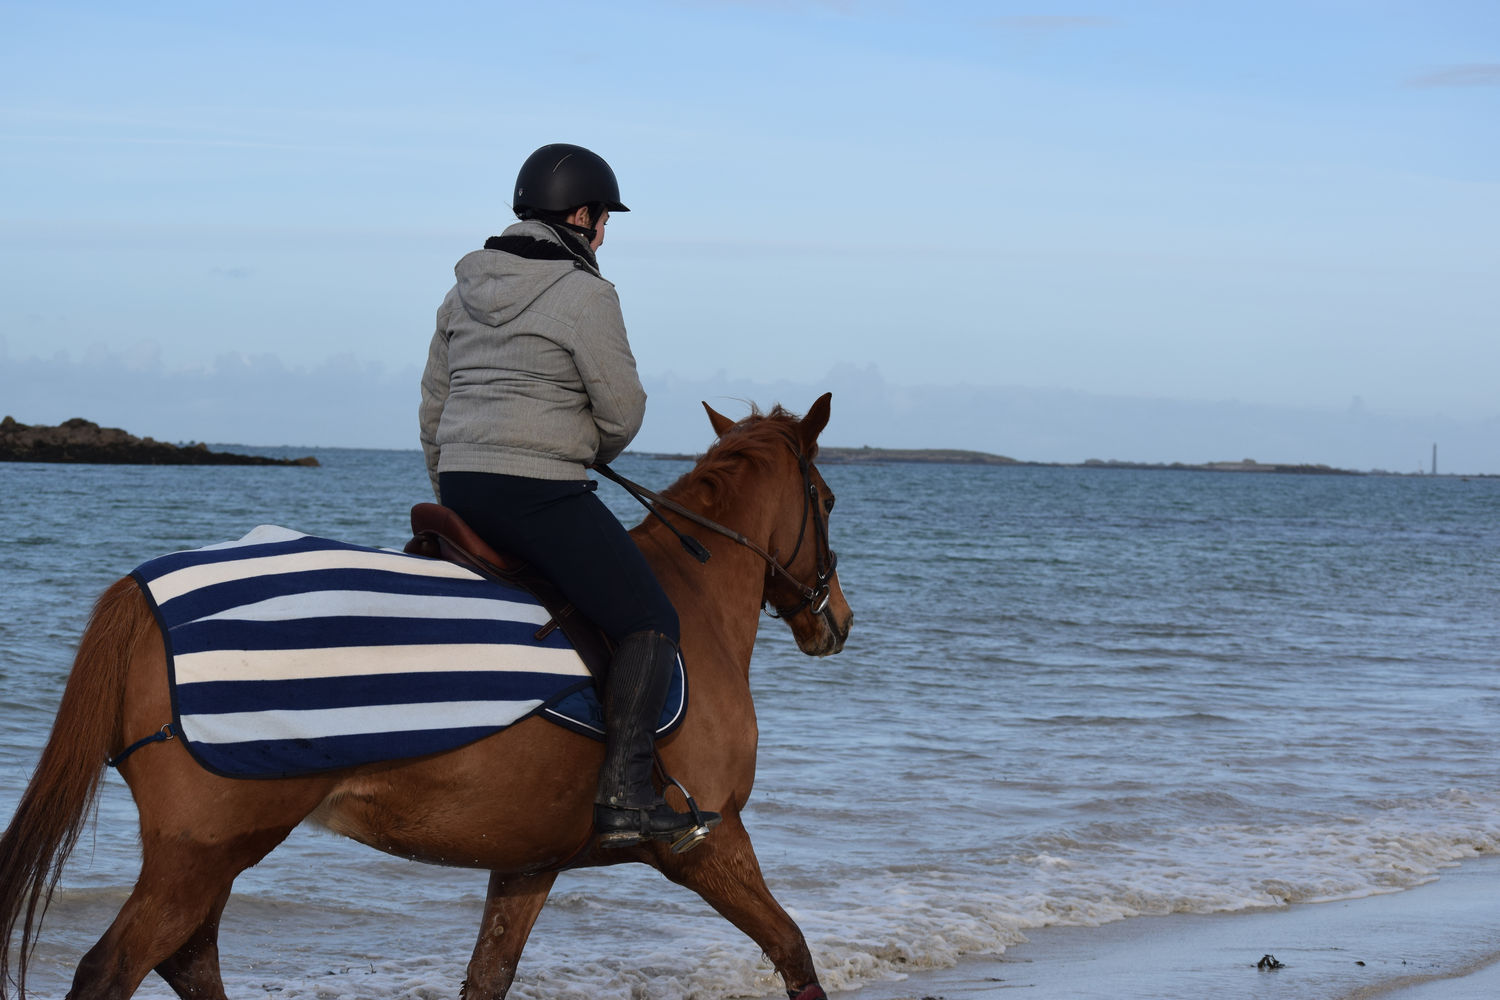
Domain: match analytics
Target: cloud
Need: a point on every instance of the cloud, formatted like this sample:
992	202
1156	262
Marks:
237	399
1467	75
1062	425
347	402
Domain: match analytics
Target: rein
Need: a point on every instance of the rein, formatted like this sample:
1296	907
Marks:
814	597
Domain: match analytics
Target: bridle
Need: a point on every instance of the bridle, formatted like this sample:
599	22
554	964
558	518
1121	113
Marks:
815	597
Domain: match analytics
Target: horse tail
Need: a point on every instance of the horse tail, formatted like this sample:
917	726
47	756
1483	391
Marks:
58	801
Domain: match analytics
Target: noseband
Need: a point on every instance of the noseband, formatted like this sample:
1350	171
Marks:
815	597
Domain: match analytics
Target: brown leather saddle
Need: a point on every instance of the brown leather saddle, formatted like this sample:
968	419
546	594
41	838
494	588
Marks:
439	533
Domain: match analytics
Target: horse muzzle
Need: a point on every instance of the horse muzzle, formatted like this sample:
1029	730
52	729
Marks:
833	622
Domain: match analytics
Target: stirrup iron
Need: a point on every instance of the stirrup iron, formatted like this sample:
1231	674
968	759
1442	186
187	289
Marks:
699	833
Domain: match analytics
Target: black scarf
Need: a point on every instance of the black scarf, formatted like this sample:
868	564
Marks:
569	247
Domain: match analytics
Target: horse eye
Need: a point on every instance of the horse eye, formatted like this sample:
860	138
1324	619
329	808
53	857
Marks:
828	504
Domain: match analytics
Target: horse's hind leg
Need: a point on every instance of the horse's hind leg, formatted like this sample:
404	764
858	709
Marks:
725	872
510	910
198	832
193	970
175	906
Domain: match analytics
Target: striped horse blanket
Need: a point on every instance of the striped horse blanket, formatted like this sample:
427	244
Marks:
290	654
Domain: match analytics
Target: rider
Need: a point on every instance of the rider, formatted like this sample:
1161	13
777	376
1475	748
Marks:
529	382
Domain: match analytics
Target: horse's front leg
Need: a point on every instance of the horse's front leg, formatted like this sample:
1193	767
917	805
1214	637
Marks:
725	872
510	911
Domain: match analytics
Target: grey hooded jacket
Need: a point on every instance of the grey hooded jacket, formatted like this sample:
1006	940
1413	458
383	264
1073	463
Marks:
529	372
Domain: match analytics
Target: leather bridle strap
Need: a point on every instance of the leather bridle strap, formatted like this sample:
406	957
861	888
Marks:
816	597
650	500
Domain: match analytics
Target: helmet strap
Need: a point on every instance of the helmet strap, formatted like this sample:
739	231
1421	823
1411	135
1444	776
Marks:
581	251
587	232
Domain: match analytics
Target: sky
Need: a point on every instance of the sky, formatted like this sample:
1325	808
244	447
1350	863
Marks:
1152	231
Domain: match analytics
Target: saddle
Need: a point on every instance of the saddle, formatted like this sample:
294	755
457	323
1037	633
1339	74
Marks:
439	533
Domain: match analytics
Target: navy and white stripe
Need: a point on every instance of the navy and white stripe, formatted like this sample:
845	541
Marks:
291	654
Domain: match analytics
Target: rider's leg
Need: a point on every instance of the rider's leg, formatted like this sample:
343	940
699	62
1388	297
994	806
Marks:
628	808
565	532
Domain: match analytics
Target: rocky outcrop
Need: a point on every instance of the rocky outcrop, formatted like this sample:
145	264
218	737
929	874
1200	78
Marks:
80	440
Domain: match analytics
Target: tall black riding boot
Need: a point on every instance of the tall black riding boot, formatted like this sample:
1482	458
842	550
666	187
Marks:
629	809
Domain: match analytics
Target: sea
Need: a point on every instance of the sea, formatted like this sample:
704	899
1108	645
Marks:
1072	696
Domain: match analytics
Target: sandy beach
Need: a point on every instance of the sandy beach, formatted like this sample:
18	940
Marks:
1440	941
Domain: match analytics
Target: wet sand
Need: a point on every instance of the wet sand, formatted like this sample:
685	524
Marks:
1440	941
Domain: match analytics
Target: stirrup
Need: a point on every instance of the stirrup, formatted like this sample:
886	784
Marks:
685	832
631	826
695	836
703	822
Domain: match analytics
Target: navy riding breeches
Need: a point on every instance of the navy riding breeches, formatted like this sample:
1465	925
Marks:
567	534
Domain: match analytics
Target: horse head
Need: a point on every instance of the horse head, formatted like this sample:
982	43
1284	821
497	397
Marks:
801	584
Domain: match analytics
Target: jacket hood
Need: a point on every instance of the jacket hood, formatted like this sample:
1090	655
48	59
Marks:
497	285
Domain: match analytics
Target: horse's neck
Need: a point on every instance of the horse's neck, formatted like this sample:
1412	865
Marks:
718	602
733	570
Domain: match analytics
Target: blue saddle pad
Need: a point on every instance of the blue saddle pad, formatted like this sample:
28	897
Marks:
290	654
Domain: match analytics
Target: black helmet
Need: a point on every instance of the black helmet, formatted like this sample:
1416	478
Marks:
560	177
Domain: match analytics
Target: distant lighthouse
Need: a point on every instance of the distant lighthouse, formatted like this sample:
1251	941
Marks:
1434	458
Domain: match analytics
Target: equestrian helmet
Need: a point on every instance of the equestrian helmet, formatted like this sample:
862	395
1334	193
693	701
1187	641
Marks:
560	177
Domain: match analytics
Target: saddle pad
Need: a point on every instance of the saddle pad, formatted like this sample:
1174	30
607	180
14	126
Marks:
290	654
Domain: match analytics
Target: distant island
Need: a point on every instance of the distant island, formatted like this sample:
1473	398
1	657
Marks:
943	456
950	456
955	456
83	441
1243	465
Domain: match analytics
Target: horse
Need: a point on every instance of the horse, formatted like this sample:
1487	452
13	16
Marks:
757	483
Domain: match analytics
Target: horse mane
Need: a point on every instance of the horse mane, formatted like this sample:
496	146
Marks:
758	441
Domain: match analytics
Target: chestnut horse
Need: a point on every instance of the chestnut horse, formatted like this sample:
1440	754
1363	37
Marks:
518	803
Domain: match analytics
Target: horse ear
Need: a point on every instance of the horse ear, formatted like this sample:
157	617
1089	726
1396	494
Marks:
720	422
817	418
